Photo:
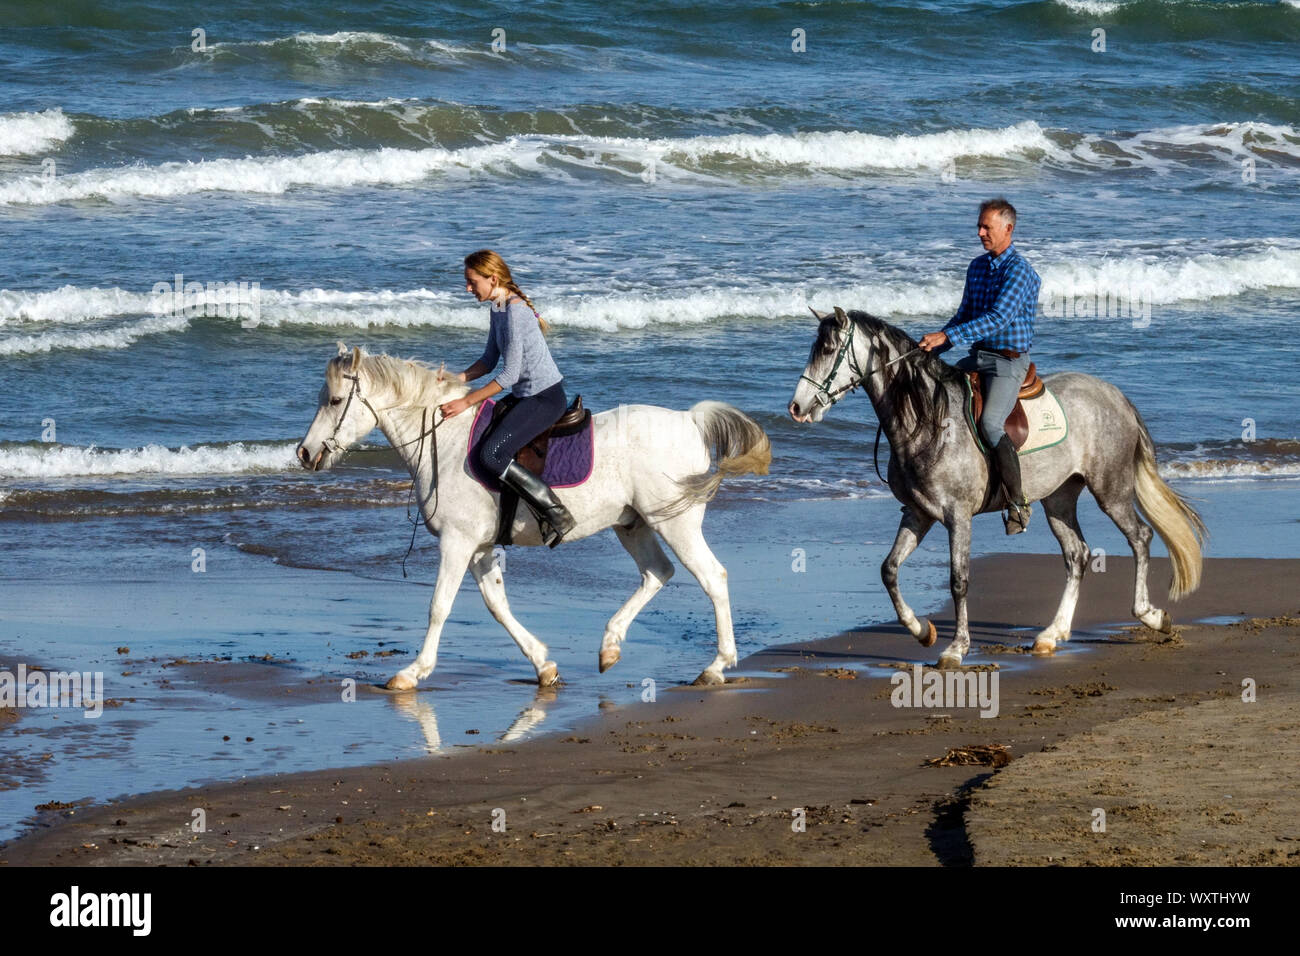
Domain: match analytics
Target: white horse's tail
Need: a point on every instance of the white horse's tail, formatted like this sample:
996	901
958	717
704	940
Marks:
739	444
1176	521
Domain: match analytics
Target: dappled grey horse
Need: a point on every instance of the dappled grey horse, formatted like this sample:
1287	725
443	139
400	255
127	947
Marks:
939	473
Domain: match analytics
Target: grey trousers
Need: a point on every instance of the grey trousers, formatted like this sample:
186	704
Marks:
1000	378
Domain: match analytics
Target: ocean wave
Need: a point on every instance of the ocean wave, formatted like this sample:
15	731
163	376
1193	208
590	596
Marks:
1219	147
1229	468
1259	20
27	461
1094	8
1152	279
120	337
1140	275
357	46
334	169
22	134
1167	150
306	124
184	499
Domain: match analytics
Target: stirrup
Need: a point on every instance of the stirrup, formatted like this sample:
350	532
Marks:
1016	518
551	536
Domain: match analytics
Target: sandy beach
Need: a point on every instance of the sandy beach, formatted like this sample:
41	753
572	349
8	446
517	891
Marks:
803	759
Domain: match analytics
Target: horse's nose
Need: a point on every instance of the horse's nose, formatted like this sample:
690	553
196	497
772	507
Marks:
302	456
794	410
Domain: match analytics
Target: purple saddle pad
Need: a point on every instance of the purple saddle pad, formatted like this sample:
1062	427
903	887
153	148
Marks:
569	459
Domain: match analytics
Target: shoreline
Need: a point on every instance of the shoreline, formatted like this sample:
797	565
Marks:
715	776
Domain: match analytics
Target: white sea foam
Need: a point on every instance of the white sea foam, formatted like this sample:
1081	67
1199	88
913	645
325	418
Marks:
688	158
1141	273
1092	8
1229	468
835	150
357	42
341	169
120	337
1163	280
333	169
1163	149
22	134
65	461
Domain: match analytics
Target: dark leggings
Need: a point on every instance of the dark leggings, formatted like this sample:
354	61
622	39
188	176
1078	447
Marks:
521	423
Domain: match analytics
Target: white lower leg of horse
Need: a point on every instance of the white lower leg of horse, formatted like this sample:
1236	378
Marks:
453	560
911	531
685	537
959	580
1139	536
655	569
1061	518
492	585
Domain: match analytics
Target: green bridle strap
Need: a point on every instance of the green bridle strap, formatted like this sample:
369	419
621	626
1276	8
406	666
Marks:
824	394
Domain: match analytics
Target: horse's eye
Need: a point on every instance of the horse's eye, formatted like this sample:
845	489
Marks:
335	401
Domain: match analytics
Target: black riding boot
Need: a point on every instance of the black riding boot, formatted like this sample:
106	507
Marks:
1016	519
555	519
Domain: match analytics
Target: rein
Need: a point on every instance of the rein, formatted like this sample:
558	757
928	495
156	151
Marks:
425	432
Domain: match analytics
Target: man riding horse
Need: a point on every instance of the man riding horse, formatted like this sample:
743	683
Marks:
996	319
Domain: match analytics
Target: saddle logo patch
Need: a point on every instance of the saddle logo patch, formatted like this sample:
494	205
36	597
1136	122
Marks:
1047	422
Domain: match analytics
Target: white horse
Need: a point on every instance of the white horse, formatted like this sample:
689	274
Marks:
651	476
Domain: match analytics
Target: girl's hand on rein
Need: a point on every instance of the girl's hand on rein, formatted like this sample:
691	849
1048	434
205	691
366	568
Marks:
453	408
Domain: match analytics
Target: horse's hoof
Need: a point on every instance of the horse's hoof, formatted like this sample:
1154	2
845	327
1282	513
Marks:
609	657
927	639
1044	647
709	679
548	675
401	682
1166	623
948	661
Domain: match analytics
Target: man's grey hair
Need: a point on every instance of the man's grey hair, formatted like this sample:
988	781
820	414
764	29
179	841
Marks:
1001	206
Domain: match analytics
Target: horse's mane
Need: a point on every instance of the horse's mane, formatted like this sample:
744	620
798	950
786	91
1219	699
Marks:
919	383
416	381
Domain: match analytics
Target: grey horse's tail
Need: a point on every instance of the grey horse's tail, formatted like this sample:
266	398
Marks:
1176	521
737	441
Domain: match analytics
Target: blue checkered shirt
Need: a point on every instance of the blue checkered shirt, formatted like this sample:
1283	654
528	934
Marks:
998	305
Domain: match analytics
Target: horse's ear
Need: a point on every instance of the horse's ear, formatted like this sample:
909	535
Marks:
816	315
356	358
442	372
343	349
840	317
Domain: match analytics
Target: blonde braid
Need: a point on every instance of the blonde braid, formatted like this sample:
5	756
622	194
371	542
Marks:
541	322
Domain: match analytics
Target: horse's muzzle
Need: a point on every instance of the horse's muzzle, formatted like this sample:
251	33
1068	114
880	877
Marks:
305	459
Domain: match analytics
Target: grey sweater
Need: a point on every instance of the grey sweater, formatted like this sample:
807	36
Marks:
514	334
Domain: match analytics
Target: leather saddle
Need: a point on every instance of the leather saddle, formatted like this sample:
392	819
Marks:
1017	425
533	456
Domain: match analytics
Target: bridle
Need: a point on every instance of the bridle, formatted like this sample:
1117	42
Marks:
824	396
431	432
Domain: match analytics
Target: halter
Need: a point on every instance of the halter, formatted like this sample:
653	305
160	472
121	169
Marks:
825	397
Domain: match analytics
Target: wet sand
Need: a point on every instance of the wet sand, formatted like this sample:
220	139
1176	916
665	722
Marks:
1149	727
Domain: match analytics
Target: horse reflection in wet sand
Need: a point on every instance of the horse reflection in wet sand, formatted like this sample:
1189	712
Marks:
1107	449
651	480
